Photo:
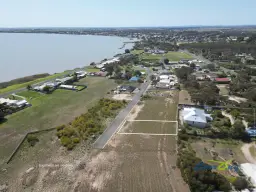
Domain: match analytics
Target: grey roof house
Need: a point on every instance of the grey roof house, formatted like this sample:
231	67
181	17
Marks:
196	117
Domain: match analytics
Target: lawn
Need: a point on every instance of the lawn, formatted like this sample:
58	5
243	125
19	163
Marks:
92	69
137	51
30	94
223	89
172	56
149	127
22	85
47	111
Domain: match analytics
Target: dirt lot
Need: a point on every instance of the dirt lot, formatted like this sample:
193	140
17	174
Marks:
122	97
159	108
222	147
149	127
128	163
184	97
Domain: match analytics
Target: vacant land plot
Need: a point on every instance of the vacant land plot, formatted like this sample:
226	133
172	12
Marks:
159	109
149	127
51	110
223	89
222	147
184	97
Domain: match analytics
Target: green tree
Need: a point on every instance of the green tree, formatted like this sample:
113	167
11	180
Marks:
127	51
238	130
240	183
235	113
47	89
137	73
166	61
29	87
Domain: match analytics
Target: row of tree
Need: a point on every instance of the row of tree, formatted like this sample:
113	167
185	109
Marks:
88	124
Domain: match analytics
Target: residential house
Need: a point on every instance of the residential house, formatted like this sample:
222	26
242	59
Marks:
14	103
64	80
81	74
195	117
222	80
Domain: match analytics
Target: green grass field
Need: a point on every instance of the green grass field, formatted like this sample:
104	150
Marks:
51	110
172	56
92	69
137	51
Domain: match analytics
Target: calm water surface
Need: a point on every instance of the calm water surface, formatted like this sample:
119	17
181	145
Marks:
28	54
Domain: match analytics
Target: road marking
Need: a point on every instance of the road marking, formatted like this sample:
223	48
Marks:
153	121
147	134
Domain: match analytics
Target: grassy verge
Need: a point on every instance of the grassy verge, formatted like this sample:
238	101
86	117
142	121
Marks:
92	69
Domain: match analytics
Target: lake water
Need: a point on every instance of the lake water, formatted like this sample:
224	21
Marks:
28	54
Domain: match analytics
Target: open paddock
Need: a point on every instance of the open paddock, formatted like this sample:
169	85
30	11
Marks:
149	127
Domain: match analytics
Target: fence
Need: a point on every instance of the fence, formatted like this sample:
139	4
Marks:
22	141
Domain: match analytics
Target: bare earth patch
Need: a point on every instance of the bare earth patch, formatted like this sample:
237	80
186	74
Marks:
237	99
127	97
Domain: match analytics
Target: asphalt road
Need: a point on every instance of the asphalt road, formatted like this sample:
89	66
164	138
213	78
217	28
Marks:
111	130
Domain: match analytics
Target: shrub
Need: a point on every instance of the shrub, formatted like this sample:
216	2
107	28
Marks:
68	131
60	127
65	141
59	133
32	139
76	140
70	146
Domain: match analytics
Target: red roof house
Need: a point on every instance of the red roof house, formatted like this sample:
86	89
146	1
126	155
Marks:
222	80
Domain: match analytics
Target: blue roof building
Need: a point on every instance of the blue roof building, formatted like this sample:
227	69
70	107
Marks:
134	78
251	132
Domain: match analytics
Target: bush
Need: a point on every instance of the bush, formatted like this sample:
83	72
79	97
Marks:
76	140
32	140
65	141
60	127
70	146
59	133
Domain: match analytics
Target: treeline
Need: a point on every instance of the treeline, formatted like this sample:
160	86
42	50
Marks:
201	93
22	80
198	180
220	50
152	44
89	124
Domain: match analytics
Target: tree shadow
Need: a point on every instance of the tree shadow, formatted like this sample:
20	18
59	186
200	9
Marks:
3	120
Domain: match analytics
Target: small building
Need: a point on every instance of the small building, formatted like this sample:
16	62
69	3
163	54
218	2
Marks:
222	80
70	87
81	74
164	77
195	117
134	78
64	80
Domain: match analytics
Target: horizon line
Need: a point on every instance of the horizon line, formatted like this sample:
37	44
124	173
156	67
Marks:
177	26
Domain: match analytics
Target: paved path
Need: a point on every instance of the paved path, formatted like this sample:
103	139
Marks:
111	130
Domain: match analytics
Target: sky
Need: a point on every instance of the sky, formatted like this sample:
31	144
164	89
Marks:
125	13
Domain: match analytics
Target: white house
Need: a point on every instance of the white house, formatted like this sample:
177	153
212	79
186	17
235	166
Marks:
15	103
81	74
164	77
195	117
71	87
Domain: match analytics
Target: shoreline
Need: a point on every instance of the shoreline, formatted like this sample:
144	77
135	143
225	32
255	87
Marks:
83	60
